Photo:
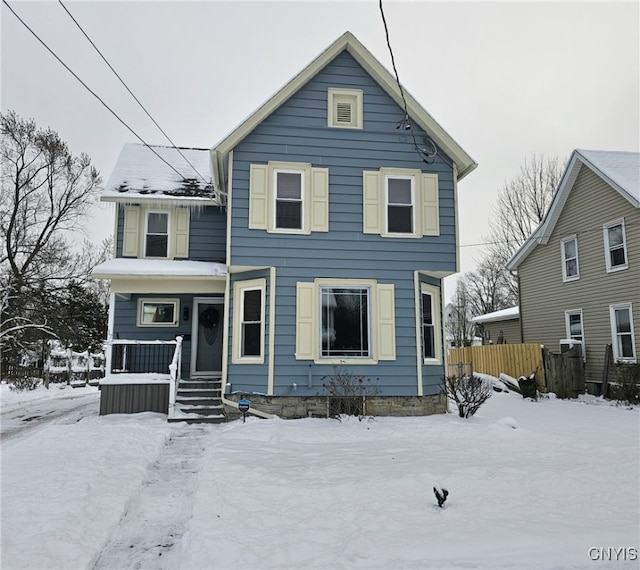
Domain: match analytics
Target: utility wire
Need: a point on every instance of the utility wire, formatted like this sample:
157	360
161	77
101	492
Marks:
91	91
406	122
131	93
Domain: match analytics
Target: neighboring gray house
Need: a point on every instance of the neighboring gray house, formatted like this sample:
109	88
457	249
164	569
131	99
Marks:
579	272
499	327
319	236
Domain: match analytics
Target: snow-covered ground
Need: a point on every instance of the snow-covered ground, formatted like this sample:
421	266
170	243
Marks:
547	484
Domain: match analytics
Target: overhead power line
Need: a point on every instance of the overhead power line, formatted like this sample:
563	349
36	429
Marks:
90	90
131	93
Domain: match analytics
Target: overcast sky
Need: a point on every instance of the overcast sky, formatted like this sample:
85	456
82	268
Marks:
505	79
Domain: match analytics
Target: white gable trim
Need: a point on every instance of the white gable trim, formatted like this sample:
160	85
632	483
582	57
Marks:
464	163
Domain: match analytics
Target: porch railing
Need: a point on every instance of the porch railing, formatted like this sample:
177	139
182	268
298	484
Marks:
174	371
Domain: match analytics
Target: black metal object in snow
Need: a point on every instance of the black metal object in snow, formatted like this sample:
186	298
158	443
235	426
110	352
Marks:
243	406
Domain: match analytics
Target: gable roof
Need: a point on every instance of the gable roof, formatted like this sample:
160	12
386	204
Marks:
141	175
621	170
464	163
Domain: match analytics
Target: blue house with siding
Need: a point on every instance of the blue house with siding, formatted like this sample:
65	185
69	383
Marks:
315	235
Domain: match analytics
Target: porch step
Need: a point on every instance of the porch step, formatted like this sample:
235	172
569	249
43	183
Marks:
199	401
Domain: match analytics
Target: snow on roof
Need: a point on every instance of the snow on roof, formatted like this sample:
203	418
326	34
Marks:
621	168
141	173
124	267
502	315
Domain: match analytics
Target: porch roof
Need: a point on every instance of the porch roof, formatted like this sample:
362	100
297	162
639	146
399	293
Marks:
178	268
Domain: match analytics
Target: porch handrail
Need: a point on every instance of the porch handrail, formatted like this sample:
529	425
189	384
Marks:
174	372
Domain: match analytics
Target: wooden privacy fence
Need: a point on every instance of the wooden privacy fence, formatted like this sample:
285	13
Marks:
513	359
564	372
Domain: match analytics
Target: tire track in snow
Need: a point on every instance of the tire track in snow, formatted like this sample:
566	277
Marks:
152	526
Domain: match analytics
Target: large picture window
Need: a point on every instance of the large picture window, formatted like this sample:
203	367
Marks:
615	246
158	313
622	332
157	235
345	322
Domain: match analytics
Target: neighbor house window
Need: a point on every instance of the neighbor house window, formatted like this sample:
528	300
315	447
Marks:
344	108
289	202
400	204
569	250
345	322
622	332
428	313
157	235
249	321
615	246
158	312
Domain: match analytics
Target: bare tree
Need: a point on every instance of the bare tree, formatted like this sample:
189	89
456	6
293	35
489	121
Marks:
521	206
45	192
458	324
488	287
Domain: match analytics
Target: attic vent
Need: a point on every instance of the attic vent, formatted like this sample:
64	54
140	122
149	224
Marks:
343	112
344	108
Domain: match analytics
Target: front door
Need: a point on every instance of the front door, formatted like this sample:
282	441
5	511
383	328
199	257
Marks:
206	348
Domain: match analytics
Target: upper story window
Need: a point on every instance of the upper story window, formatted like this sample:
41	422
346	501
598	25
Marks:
615	246
288	200
569	251
344	108
157	235
622	332
400	203
400	217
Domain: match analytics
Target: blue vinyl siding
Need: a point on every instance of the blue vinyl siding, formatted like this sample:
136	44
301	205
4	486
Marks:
298	132
207	233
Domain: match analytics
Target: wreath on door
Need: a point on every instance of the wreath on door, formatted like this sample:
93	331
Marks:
209	320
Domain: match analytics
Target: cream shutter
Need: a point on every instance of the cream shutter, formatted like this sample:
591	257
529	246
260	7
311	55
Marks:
430	210
319	200
386	325
372	205
182	232
131	231
305	321
258	197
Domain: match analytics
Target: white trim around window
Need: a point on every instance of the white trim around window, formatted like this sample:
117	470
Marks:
155	312
574	327
569	255
623	338
288	200
430	328
249	321
615	246
400	205
158	234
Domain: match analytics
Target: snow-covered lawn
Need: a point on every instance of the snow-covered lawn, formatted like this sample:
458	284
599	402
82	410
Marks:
532	485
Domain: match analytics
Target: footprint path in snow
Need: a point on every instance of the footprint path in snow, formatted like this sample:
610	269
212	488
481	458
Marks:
155	519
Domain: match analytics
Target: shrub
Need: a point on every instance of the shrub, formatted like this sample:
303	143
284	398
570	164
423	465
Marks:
347	392
23	384
468	393
628	386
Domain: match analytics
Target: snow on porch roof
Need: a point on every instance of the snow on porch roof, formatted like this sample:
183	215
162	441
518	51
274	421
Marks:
140	174
124	267
502	315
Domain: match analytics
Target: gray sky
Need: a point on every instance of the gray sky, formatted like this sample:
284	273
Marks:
505	79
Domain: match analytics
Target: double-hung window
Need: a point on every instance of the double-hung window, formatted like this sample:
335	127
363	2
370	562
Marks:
288	200
400	203
569	251
249	321
430	323
574	327
345	322
157	235
622	332
615	246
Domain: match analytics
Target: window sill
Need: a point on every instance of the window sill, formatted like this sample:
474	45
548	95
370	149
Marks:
616	269
248	360
431	362
570	279
350	361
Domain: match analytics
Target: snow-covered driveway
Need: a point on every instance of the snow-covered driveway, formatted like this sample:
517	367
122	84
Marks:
548	484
